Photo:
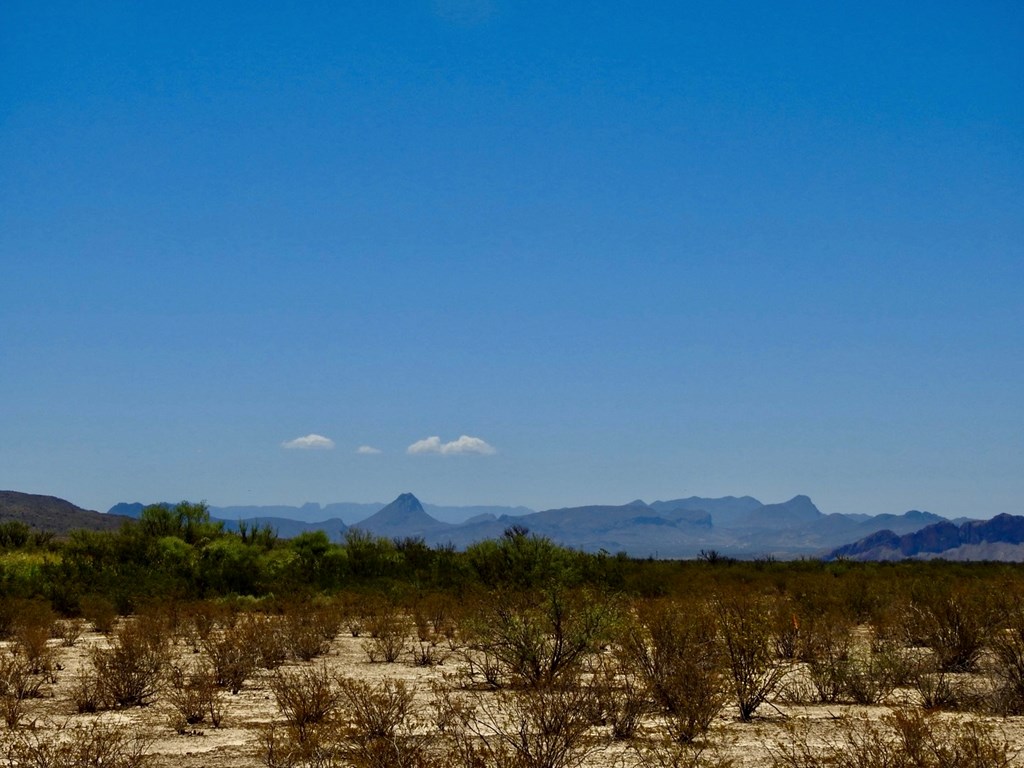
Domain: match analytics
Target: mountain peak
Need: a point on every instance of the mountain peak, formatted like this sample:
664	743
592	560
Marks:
403	516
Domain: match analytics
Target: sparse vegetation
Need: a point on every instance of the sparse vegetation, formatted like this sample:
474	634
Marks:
538	655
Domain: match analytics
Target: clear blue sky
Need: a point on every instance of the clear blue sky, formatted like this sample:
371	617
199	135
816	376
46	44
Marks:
637	249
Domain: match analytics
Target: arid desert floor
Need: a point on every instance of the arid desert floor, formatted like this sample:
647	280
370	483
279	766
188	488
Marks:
239	740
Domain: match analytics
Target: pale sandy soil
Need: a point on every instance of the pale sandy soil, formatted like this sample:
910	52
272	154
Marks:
234	744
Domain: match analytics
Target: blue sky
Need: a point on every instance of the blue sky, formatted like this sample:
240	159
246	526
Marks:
634	250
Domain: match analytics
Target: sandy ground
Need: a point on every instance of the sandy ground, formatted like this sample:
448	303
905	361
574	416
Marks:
234	744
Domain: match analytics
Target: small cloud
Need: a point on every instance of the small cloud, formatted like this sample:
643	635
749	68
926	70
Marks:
464	444
367	450
310	443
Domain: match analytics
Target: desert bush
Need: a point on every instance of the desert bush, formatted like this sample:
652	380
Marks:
481	665
305	696
828	660
872	674
618	696
543	727
100	612
129	671
87	693
1007	645
328	617
902	739
955	624
434	617
674	648
68	631
31	643
536	639
427	653
352	724
375	711
93	745
788	634
202	619
358	610
388	629
234	654
265	636
17	683
376	726
669	753
745	623
938	689
303	636
194	697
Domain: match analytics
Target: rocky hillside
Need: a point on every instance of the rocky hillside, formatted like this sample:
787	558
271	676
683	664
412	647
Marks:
1001	538
48	513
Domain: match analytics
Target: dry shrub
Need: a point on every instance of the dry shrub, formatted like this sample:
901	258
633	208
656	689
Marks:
828	660
426	653
938	690
389	629
357	610
872	675
194	697
788	630
93	745
375	711
674	648
68	631
265	635
17	683
538	638
902	739
955	624
201	620
342	723
303	636
31	643
87	693
328	616
233	655
129	672
376	728
543	727
305	696
434	617
745	622
618	697
100	613
1008	651
280	746
669	753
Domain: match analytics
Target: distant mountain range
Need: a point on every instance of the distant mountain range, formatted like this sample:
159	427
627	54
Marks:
1001	538
738	526
676	528
353	512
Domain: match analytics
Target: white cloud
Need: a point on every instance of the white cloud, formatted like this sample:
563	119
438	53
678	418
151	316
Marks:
464	444
367	450
310	442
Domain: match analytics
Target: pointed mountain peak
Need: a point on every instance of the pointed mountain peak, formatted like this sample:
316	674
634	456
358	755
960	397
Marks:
403	516
638	503
406	502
